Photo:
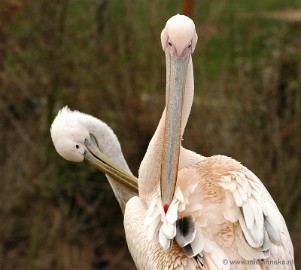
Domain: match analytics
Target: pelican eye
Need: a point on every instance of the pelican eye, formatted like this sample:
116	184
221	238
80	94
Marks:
77	146
189	46
169	43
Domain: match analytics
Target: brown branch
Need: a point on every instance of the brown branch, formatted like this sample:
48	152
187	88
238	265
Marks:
187	8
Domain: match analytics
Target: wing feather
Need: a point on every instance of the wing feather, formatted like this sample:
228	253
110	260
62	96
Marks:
237	198
247	205
248	215
258	213
243	194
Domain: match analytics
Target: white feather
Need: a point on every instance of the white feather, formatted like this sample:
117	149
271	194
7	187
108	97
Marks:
152	228
260	201
245	250
169	230
179	195
164	242
242	193
151	214
272	231
258	213
245	186
237	198
172	213
248	215
253	236
197	244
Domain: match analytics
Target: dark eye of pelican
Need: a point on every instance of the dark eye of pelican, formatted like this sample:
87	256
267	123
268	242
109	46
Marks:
169	43
77	146
189	46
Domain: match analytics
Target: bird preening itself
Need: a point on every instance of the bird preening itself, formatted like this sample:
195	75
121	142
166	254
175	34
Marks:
78	136
191	211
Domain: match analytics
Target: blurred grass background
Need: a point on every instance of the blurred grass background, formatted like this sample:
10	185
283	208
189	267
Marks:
105	58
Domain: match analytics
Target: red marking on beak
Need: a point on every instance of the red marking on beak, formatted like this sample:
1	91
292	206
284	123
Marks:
165	207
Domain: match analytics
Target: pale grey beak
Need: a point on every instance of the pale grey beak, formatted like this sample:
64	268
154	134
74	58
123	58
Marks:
176	71
102	163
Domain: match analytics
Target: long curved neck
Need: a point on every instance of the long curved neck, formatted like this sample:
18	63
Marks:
149	171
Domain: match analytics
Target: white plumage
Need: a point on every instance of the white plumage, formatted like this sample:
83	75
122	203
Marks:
69	132
220	212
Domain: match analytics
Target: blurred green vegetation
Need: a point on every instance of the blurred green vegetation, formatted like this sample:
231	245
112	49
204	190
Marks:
105	58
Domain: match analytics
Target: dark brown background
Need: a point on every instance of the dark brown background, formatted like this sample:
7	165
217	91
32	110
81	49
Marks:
105	58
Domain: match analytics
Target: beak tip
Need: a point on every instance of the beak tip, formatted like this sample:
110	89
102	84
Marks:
165	207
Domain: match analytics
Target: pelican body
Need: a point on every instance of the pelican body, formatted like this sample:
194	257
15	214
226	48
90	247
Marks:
194	212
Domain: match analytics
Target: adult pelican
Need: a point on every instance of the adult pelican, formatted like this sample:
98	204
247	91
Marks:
207	214
71	133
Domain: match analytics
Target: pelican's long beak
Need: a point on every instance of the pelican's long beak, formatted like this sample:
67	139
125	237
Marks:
176	72
98	160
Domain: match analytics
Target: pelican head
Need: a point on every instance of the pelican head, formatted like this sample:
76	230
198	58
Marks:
178	40
81	137
179	36
68	136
